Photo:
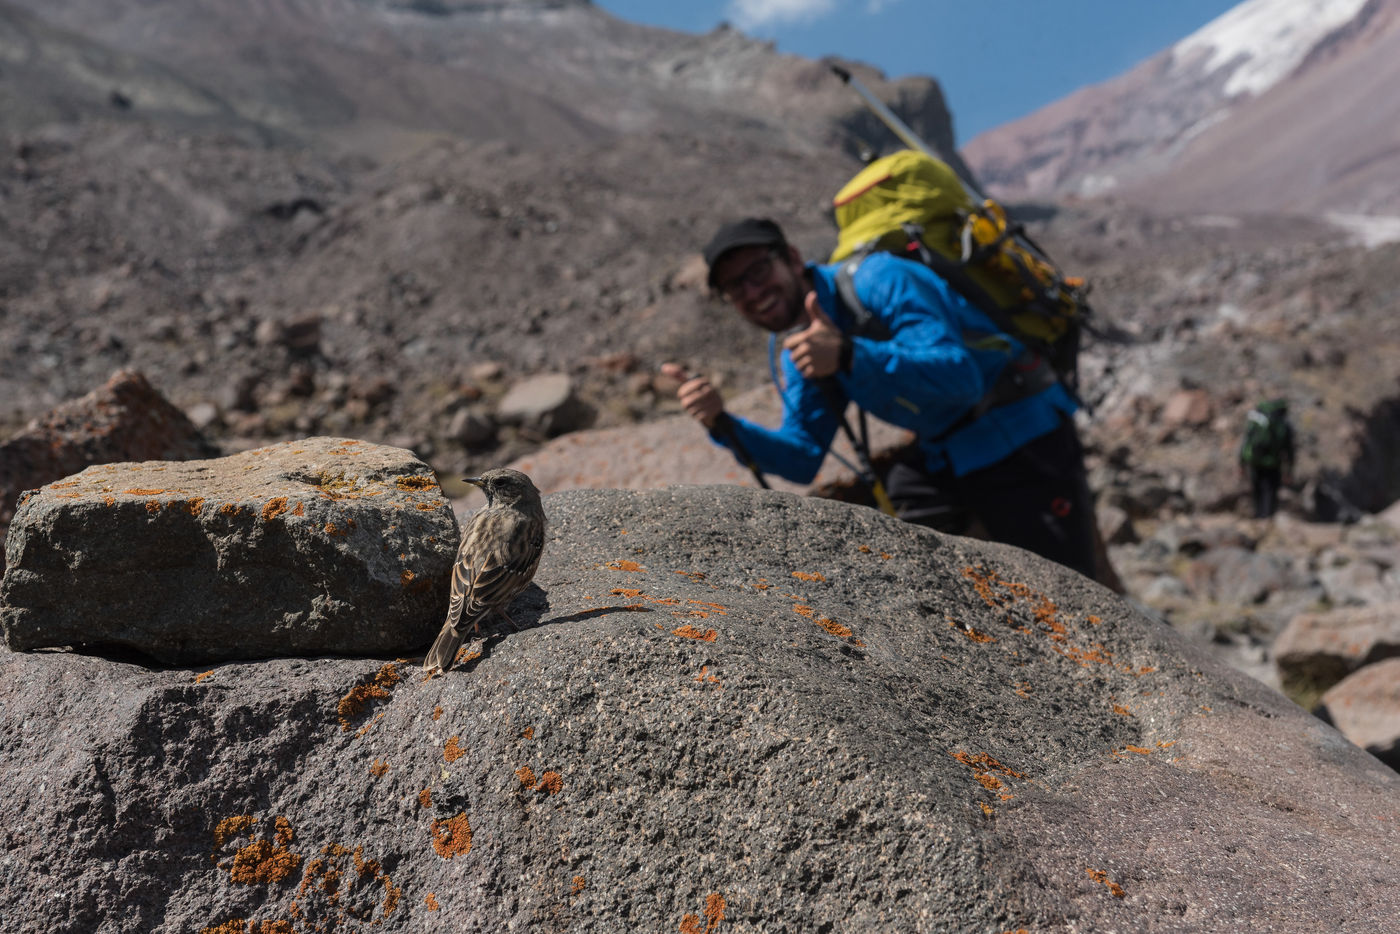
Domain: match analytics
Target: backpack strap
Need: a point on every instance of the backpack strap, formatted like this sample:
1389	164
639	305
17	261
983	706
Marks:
1026	375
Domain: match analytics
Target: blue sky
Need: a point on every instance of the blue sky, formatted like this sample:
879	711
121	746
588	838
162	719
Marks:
996	59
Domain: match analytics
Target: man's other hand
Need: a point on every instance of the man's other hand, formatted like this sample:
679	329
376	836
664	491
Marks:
701	400
816	350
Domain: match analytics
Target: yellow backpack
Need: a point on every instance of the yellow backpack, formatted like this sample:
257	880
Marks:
914	205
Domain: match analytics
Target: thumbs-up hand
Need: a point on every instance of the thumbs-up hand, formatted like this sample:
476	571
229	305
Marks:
701	400
816	350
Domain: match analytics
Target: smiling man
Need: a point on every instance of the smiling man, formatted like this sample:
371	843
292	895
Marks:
995	434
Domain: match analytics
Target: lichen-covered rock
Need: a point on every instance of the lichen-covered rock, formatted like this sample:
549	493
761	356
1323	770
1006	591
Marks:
125	419
310	547
728	709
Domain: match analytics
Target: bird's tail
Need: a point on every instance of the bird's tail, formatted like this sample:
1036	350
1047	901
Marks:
444	650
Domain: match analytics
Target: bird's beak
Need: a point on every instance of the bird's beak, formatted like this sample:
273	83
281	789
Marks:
474	481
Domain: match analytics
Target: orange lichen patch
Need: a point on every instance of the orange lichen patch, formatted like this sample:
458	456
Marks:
580	883
230	509
1146	671
1122	711
1095	654
986	808
1140	750
202	675
805	576
144	492
283	829
343	886
1023	688
63	486
696	576
714	914
406	577
886	555
552	782
626	592
864	549
263	861
425	798
152	506
431	902
1093	620
452	837
467	654
528	732
1166	745
453	751
437	713
195	506
690	632
976	636
526	776
714	607
379	768
335	531
235	926
833	627
1098	875
366	728
300	510
706	678
231	827
106	501
377	688
624	565
415	484
985	769
274	508
804	610
762	584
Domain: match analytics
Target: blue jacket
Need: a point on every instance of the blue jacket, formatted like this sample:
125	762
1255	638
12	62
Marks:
924	378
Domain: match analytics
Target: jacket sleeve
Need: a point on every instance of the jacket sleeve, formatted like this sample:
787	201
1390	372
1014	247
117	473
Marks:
925	364
794	450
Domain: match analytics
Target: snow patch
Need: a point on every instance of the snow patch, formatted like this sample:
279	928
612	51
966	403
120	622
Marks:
1369	230
1272	37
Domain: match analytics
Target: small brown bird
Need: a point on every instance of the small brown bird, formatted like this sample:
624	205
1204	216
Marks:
500	552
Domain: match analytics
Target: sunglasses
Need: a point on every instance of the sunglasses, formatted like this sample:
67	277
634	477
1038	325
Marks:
751	276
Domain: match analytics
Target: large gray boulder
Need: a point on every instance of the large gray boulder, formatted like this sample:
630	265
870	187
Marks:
727	709
324	545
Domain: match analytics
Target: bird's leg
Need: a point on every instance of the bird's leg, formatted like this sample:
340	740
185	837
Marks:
506	616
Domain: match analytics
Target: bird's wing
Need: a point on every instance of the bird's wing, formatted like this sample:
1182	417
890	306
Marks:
498	559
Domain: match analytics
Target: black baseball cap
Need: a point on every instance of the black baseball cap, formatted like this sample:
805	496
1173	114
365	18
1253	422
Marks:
751	231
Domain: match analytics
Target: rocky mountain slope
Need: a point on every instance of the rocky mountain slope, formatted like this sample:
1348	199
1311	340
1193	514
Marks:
1278	105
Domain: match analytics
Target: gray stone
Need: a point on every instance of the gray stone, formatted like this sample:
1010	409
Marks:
727	708
1316	650
308	547
545	402
1365	706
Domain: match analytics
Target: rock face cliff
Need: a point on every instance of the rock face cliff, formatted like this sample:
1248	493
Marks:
727	709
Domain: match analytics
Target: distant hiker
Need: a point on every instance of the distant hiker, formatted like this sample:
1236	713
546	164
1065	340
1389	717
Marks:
995	434
1266	454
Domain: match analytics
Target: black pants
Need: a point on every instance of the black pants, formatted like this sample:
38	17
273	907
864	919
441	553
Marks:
1037	498
1263	485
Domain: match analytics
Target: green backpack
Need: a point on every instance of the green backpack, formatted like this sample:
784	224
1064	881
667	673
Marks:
914	205
1268	438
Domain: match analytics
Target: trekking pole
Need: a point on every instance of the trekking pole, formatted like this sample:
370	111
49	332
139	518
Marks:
725	429
898	127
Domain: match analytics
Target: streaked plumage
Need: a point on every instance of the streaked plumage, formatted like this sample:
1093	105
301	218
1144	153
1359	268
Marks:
498	557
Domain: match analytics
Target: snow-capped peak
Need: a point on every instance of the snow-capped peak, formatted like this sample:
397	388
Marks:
1265	39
